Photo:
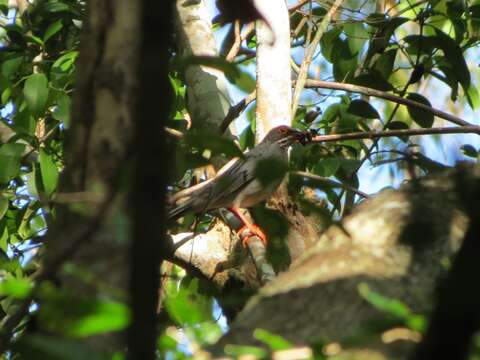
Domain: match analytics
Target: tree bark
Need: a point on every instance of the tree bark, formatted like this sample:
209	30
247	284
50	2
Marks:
208	98
395	243
94	235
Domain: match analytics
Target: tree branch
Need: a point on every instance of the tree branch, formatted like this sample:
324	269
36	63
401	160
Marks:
239	37
311	83
298	5
307	60
389	133
235	111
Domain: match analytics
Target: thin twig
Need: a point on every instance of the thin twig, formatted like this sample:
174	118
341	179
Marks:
302	75
298	5
173	132
239	38
311	83
235	111
473	129
329	182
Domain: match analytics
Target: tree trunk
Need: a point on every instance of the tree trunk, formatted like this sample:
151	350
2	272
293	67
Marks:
395	244
94	235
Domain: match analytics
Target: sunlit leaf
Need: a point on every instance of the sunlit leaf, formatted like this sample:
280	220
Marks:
17	288
36	91
392	307
4	203
52	29
62	110
244	350
473	97
106	316
49	172
274	342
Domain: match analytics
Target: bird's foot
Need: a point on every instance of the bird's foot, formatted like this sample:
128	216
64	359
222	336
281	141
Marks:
253	230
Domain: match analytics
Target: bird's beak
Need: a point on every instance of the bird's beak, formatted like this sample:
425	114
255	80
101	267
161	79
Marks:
301	136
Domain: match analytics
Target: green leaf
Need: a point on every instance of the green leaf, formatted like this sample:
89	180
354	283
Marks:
467	149
363	109
52	29
243	350
36	91
34	39
49	172
10	155
105	317
24	123
357	35
374	80
64	63
166	342
270	171
327	167
18	288
454	56
392	307
10	66
217	144
421	117
245	82
4	203
62	110
344	61
420	44
54	348
473	97
384	64
55	7
274	342
6	95
327	43
186	305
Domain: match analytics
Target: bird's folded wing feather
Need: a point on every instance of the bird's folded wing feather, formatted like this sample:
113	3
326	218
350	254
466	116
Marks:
229	183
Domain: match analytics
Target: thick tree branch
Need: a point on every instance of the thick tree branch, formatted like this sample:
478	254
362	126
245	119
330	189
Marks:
311	83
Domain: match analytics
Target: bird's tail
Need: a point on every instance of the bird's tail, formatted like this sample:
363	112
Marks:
176	211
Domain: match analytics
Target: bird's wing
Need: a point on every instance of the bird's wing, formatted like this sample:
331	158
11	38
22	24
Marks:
215	192
229	183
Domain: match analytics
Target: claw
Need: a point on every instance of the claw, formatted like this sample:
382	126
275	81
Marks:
253	230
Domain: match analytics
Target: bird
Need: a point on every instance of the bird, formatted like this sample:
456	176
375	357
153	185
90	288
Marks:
237	185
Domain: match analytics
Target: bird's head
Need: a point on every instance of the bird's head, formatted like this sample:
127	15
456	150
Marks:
286	135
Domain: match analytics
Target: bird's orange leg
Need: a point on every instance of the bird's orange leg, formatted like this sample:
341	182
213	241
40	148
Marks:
254	230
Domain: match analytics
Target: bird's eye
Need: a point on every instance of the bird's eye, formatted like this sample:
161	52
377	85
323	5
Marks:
283	129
